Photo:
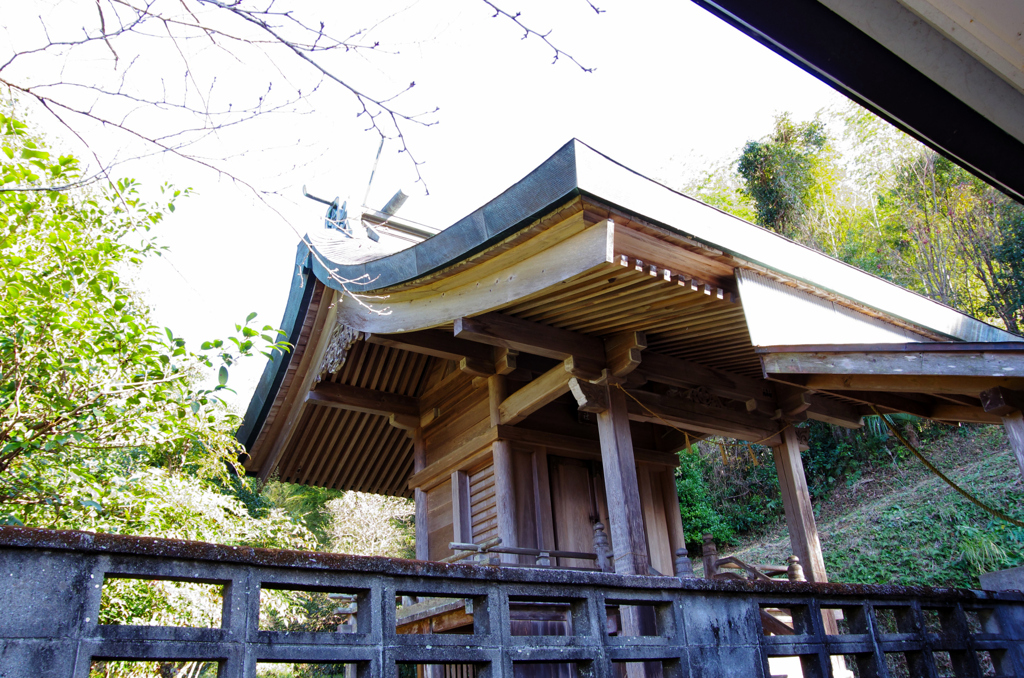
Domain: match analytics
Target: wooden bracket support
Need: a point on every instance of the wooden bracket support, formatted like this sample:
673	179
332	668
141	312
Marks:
589	397
1002	401
405	422
622	351
793	402
503	362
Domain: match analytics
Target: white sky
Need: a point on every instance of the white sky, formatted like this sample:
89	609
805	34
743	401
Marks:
674	89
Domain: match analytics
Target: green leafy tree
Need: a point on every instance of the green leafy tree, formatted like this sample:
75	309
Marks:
83	372
961	241
779	172
106	422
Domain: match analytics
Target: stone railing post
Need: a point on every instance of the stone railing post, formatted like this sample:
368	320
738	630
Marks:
684	567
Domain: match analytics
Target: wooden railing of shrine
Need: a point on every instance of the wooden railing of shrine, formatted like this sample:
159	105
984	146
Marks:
731	567
52	583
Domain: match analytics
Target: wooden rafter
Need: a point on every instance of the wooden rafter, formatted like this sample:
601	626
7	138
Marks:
367	400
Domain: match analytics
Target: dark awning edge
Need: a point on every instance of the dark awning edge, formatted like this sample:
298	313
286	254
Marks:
273	373
824	44
554	181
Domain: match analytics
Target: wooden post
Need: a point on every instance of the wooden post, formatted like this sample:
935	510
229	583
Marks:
803	532
419	462
709	557
624	509
504	478
1014	425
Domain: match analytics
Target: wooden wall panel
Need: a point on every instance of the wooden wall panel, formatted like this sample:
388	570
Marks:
659	545
457	418
483	511
439	520
526	501
571	504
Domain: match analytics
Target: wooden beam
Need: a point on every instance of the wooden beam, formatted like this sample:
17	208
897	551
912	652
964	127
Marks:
624	509
433	343
944	411
579	448
919	406
504	331
796	500
757	393
834	412
663	410
467	453
892	383
534	395
367	400
978	363
913	347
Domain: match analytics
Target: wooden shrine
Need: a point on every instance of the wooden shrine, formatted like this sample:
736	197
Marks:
530	372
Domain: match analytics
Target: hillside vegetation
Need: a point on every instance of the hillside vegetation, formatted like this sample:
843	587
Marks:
896	522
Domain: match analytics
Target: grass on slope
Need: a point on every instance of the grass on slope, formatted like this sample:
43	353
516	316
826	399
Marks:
903	525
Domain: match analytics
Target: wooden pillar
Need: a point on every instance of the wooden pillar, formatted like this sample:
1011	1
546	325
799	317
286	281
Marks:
1014	425
624	509
803	532
419	462
1010	406
504	474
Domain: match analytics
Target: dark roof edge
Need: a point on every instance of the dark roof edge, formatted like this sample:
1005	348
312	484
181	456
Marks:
273	373
554	181
827	46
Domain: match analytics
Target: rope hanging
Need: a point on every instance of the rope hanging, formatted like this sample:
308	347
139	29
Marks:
931	467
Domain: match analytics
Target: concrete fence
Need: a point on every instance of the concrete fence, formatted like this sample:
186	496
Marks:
51	586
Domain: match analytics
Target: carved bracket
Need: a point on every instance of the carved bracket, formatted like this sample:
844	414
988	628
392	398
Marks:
338	345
